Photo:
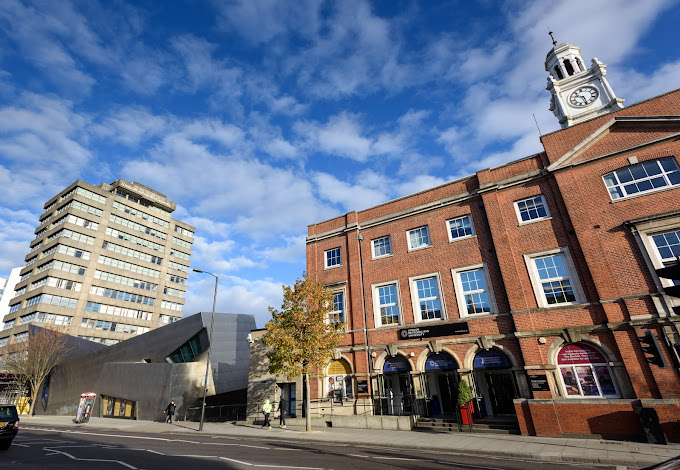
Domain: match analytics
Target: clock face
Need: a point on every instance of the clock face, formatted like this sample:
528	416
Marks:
583	96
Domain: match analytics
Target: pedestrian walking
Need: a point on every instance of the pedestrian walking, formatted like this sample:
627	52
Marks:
170	410
266	409
283	409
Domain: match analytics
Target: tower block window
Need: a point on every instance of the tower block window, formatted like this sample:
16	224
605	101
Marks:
568	67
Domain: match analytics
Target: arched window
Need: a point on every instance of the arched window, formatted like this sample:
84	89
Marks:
585	372
339	380
558	72
568	67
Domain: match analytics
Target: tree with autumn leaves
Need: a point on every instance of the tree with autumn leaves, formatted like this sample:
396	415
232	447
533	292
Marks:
301	337
31	361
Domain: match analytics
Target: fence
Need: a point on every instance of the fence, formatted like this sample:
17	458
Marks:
217	413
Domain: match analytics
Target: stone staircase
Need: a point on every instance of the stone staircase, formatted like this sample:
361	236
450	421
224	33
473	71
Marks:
493	425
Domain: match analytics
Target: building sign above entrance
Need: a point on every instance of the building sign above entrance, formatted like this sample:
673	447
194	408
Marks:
433	331
440	362
489	359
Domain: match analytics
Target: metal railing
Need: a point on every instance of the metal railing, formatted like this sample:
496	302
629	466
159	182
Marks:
217	413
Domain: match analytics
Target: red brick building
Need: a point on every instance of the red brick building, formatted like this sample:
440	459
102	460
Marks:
533	281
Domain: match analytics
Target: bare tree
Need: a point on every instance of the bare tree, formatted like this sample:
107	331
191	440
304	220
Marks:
32	360
301	336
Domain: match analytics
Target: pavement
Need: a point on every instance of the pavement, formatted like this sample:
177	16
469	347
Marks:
596	451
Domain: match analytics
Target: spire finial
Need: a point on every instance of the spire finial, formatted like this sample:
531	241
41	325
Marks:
553	37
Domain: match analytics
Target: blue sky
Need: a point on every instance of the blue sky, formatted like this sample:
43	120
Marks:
260	117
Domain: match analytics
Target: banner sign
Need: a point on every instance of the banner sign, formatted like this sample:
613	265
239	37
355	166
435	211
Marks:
434	331
580	354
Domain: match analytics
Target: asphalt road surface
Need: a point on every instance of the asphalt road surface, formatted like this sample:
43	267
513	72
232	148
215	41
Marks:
52	448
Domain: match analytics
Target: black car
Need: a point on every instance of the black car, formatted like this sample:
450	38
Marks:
9	425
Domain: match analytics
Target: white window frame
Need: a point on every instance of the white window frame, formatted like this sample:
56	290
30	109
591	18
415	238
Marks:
464	237
420	247
537	283
374	256
620	186
377	317
460	294
325	258
342	291
415	300
644	233
531	221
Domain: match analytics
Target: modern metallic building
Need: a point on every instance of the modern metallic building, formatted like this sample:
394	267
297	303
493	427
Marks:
137	378
107	263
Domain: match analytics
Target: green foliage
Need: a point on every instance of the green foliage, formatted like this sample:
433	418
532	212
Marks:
464	393
299	334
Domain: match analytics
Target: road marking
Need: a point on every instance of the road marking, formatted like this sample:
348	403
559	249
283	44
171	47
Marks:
154	451
468	465
236	461
396	458
72	457
237	445
19	445
360	456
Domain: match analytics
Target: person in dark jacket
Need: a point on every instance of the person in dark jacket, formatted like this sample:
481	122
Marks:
170	410
283	409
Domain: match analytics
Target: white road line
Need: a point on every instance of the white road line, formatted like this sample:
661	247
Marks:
238	445
15	444
154	451
469	465
95	460
397	458
196	456
285	466
236	461
360	456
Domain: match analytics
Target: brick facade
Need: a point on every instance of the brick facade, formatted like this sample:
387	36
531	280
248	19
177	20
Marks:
609	256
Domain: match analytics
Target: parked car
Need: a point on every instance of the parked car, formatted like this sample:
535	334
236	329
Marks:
9	425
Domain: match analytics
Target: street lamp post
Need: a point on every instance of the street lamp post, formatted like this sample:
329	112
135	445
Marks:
210	345
360	237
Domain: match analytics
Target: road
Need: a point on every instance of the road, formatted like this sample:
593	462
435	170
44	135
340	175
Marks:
38	447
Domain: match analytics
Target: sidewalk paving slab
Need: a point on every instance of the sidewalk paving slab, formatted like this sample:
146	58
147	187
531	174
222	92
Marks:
596	451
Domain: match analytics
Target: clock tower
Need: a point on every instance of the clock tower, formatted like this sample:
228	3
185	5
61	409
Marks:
577	93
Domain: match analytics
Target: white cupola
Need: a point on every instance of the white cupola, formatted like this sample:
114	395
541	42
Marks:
577	93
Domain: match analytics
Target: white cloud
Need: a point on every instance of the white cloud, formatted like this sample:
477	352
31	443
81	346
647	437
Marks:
350	197
234	295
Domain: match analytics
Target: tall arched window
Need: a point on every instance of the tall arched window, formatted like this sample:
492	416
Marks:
585	372
339	380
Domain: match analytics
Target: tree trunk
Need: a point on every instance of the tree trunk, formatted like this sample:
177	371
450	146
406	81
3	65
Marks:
308	402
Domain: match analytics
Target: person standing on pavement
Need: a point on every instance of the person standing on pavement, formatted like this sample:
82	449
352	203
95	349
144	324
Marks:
266	409
170	410
283	408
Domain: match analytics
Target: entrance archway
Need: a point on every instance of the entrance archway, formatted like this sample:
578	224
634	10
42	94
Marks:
441	383
494	382
396	386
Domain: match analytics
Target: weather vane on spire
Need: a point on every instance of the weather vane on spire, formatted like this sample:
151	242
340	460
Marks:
553	37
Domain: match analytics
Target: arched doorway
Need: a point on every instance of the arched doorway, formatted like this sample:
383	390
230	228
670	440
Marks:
585	372
441	383
339	380
396	386
494	382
